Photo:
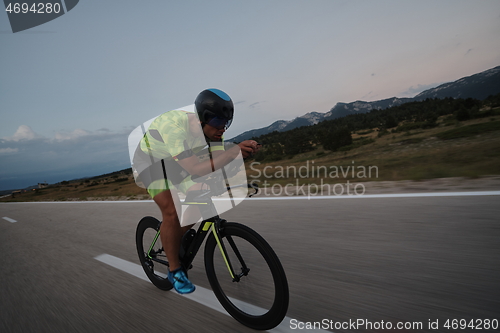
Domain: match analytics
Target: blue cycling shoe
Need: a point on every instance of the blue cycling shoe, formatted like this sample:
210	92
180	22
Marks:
180	281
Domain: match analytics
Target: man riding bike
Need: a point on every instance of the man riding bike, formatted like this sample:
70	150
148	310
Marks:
169	148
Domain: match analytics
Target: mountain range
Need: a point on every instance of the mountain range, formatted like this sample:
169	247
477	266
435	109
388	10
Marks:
477	86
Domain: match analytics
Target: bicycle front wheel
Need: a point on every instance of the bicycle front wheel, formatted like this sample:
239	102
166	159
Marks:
151	254
257	294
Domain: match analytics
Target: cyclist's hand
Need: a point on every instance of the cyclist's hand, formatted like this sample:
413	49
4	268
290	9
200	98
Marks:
248	148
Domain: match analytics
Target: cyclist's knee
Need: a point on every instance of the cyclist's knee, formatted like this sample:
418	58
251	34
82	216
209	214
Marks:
166	204
170	214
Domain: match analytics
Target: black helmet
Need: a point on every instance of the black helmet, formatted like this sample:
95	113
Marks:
215	105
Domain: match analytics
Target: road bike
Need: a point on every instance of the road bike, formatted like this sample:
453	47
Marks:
244	272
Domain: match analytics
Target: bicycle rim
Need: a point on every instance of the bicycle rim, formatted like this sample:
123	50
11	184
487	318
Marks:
259	299
145	241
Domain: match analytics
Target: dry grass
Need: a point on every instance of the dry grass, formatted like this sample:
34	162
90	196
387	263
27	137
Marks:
96	189
415	155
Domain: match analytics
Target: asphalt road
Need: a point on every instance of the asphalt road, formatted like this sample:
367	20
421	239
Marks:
416	260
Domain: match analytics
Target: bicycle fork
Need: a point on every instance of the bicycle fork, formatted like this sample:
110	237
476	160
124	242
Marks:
152	254
244	269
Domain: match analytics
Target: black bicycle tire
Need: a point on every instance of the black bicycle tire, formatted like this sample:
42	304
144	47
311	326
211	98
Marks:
146	223
277	311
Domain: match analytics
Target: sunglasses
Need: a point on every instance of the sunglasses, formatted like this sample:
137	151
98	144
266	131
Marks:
219	122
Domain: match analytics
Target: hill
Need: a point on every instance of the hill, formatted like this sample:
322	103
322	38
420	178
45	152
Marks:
478	86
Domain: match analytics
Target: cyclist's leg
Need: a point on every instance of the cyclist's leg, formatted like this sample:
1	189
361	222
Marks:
170	231
171	235
192	213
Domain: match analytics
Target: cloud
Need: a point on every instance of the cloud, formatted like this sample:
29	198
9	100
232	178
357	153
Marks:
367	96
252	106
26	133
8	150
77	133
413	91
28	158
23	132
256	104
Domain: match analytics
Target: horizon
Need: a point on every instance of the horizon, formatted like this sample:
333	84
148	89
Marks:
108	173
88	176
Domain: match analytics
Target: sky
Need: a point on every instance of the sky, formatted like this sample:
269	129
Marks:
72	89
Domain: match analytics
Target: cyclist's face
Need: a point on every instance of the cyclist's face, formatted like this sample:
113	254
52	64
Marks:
213	133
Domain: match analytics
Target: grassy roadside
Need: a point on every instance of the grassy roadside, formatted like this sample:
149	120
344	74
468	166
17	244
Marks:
452	149
117	187
460	149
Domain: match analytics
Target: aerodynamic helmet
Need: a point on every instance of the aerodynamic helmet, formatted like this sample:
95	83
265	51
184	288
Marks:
214	107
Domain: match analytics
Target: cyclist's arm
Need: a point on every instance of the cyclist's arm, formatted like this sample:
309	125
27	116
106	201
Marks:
201	168
219	158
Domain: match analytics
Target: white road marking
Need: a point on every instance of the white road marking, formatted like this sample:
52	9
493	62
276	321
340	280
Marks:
201	295
9	219
298	197
394	195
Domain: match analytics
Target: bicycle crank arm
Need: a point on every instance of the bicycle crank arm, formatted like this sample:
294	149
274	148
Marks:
160	261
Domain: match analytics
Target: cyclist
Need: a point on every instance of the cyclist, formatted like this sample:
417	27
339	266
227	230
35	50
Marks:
170	146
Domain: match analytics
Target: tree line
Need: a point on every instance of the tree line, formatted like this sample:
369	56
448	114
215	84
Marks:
336	134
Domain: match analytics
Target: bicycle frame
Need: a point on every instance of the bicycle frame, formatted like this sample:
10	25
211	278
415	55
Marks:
214	225
235	241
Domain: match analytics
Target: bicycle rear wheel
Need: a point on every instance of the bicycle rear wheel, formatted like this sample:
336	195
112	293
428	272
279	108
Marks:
260	298
146	241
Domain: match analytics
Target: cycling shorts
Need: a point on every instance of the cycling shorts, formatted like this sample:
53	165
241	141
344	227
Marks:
162	185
